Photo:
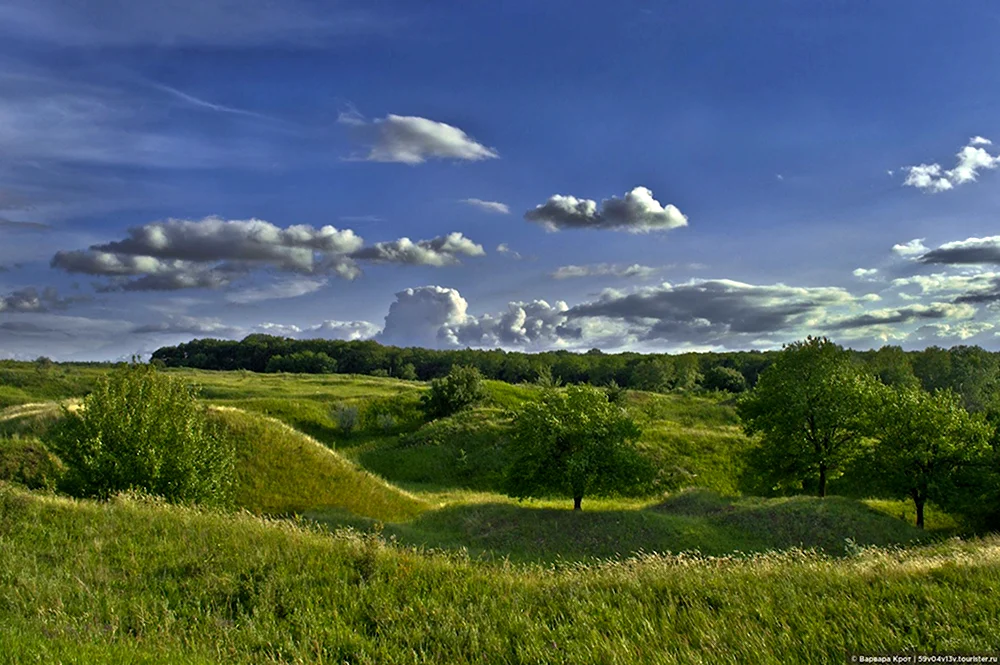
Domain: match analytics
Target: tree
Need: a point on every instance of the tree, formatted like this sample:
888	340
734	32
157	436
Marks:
462	388
140	429
725	379
923	442
573	443
808	409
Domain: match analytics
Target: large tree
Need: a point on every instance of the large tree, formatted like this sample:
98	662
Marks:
924	442
573	443
808	410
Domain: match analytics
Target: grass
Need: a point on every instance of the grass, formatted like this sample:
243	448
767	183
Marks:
143	582
283	471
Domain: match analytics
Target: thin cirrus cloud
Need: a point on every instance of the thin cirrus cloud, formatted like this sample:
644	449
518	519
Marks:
186	23
637	212
488	206
970	160
413	140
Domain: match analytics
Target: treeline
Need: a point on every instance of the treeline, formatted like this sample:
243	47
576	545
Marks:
970	371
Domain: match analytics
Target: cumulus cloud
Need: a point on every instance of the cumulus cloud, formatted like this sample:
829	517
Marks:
216	239
969	252
970	160
717	311
939	283
438	317
419	316
604	270
637	212
414	140
440	251
488	206
866	274
31	299
911	248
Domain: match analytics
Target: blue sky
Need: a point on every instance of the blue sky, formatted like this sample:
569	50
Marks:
526	175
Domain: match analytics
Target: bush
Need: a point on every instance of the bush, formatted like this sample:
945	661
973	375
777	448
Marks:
346	417
725	379
462	388
143	430
30	463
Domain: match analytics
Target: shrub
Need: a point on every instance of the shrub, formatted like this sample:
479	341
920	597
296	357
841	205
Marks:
30	463
346	417
462	388
143	430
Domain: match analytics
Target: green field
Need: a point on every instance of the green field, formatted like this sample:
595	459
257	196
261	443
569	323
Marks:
392	543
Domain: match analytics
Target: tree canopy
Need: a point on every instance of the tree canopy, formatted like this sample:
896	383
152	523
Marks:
809	411
574	443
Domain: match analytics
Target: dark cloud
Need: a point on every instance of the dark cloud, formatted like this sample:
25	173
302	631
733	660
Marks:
637	212
11	225
935	311
966	252
707	311
31	299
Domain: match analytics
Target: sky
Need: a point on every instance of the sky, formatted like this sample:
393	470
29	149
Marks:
569	174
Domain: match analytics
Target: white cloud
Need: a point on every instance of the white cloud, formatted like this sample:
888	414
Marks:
441	251
604	270
489	206
866	274
419	316
414	140
282	289
970	160
637	212
911	248
504	248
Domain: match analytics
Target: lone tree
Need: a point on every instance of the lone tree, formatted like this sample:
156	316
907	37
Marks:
142	429
574	443
924	441
809	409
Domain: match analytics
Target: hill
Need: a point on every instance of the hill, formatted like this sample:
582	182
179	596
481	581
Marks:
142	582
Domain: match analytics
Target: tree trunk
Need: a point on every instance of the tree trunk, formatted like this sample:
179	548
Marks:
919	501
822	479
577	500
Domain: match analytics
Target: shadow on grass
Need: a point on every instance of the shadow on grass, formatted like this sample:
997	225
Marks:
799	521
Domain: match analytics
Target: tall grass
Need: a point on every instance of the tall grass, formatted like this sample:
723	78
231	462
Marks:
139	581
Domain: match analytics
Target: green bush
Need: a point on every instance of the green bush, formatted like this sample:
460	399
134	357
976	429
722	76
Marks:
724	379
462	388
144	430
28	462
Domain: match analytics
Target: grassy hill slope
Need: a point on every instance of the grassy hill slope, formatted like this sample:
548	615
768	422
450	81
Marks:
138	582
281	470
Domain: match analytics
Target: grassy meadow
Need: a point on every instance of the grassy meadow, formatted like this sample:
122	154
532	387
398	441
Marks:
392	543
